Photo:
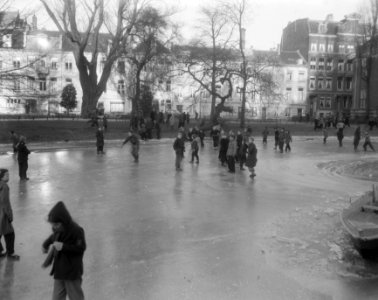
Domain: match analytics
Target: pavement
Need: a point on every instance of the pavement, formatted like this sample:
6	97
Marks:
203	233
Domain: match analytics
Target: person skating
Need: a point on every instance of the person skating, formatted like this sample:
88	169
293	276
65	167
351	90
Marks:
367	142
15	140
288	140
23	156
340	132
134	140
6	218
195	147
243	154
281	139
325	135
239	143
201	134
223	146
357	137
215	135
231	153
265	134
276	137
179	147
66	246
100	140
251	157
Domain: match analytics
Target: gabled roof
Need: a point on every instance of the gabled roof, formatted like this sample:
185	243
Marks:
291	57
331	28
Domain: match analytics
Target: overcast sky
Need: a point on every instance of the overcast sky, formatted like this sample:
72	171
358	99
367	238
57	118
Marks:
268	19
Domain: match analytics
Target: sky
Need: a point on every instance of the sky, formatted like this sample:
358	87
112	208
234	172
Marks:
265	24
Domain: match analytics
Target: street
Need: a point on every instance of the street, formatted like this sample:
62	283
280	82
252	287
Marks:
203	233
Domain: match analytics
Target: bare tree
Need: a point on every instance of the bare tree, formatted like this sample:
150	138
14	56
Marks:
82	23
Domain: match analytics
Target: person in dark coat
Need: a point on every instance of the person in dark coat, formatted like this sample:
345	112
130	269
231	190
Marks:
195	147
179	147
100	141
158	130
357	137
367	142
223	148
231	153
239	143
276	137
66	246
134	140
215	135
243	154
201	134
340	132
6	218
265	134
252	157
23	155
281	139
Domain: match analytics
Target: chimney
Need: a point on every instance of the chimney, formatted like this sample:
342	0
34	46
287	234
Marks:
34	22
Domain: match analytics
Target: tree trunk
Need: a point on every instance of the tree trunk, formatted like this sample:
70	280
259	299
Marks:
89	104
369	62
136	98
244	100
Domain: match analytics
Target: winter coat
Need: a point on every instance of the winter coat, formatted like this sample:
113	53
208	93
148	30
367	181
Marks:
223	148
232	148
194	144
179	146
288	138
252	156
6	214
100	138
357	136
68	263
23	152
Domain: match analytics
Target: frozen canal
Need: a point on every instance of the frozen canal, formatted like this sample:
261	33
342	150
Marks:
202	233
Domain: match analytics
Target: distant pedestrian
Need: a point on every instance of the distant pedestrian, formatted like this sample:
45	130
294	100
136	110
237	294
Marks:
340	132
276	137
288	140
357	137
65	247
15	140
251	157
195	147
224	141
281	139
100	140
158	130
368	142
243	154
325	135
134	141
239	144
179	147
6	218
215	132
22	157
231	153
265	134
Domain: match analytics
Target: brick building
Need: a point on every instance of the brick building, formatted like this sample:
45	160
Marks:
328	46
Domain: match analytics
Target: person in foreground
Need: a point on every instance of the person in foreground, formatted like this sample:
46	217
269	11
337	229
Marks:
6	218
65	247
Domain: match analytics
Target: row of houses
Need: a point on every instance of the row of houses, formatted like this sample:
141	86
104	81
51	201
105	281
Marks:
317	74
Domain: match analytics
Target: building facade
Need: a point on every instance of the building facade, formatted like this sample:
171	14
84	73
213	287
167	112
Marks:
329	48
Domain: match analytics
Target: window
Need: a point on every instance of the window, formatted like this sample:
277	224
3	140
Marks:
349	65
7	41
330	48
328	83
54	64
121	87
31	61
349	49
168	86
328	102
322	103
42	84
321	47
289	76
68	65
301	76
68	81
348	82
320	83
322	28
300	94
30	83
313	47
16	63
53	81
288	93
312	63
342	48
339	83
121	67
17	85
321	64
329	64
340	65
42	63
312	83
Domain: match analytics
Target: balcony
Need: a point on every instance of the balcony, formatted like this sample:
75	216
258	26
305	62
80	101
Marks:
42	70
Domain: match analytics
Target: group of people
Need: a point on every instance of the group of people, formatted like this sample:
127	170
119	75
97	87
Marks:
282	138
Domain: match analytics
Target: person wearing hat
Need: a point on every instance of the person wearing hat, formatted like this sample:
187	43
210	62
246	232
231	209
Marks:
6	218
66	246
23	154
179	147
